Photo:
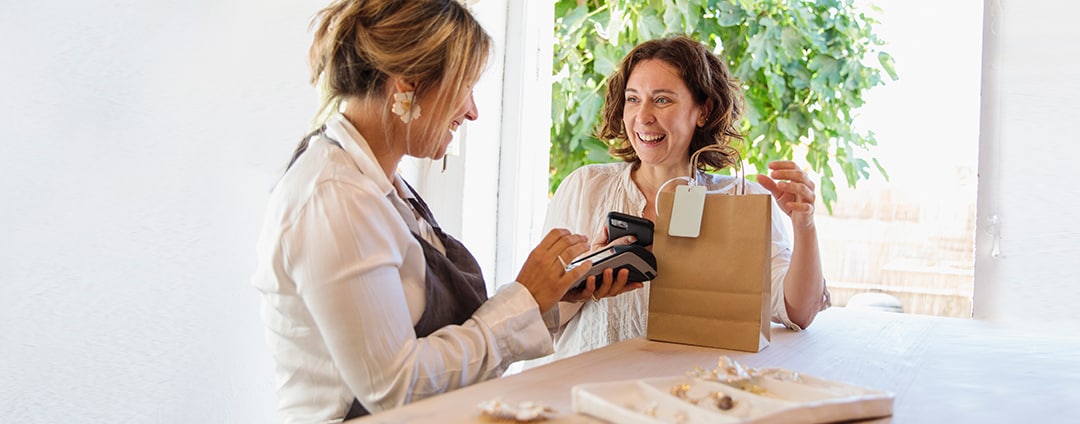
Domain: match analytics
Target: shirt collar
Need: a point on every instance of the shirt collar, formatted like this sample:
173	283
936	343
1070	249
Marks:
341	130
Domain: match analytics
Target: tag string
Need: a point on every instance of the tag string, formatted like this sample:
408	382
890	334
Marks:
656	201
739	171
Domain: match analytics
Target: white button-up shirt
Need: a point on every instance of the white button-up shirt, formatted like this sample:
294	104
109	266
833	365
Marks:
343	281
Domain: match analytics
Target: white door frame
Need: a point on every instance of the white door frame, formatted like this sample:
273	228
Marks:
492	191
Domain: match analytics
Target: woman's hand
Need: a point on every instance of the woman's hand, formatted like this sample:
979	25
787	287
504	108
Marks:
793	190
610	284
544	273
599	240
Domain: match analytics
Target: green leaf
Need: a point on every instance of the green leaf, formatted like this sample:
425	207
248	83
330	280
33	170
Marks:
778	91
880	169
758	48
590	107
615	24
888	64
861	168
650	26
825	66
575	19
788	128
596	152
672	18
690	17
729	14
828	192
791	43
606	58
563	7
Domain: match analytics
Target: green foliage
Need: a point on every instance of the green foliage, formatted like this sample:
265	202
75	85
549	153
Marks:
801	63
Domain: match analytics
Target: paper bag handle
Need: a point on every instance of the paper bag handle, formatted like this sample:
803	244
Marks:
739	172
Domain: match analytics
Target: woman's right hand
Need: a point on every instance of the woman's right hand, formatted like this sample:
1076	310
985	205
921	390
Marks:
544	273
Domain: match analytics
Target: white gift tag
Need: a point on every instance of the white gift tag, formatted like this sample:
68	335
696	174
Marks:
686	211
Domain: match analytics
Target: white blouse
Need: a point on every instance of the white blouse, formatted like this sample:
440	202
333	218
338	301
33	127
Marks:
343	281
581	204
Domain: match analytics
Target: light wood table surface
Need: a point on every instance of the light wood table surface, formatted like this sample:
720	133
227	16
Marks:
942	370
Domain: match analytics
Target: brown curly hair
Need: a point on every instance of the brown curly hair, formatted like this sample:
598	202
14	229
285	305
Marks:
709	82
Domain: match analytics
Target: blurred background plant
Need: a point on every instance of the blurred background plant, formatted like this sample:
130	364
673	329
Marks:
804	66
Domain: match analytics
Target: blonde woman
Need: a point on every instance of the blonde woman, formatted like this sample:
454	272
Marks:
368	304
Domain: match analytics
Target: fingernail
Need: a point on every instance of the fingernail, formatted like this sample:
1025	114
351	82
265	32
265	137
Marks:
632	238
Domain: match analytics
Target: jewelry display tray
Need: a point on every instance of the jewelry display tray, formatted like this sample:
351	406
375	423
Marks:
807	399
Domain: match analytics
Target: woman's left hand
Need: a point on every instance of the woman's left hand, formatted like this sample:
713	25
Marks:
608	284
793	190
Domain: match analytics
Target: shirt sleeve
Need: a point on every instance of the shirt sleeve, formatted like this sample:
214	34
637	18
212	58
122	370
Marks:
345	251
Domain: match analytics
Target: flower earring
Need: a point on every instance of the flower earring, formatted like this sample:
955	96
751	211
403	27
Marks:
405	106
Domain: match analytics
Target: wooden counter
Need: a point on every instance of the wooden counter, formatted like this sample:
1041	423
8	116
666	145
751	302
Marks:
945	370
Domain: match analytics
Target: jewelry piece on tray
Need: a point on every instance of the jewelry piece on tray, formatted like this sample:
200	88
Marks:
721	400
732	373
521	412
780	374
651	410
679	391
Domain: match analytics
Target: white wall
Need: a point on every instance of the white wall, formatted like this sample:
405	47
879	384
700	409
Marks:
140	141
1028	241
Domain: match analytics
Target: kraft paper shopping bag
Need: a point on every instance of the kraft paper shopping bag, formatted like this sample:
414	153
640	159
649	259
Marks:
715	288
